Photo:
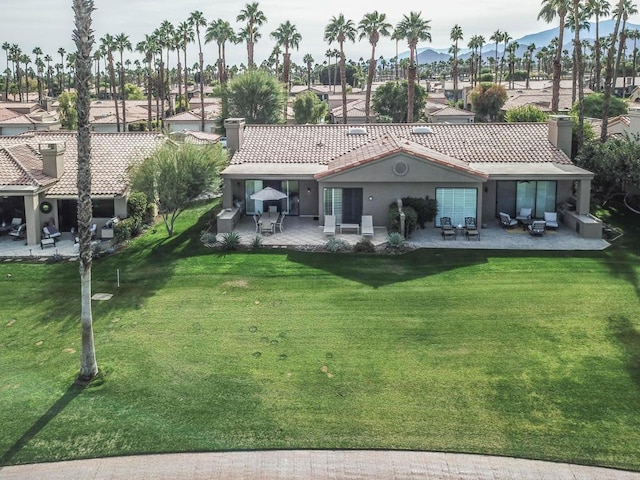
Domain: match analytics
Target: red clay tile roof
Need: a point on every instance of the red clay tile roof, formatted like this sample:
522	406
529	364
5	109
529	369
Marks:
112	153
469	143
389	144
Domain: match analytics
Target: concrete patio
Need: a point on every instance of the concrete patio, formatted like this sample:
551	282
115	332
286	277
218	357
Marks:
306	231
299	231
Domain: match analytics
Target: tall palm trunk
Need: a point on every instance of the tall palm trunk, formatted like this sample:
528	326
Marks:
557	69
598	48
123	95
411	82
83	37
606	102
186	77
372	72
579	67
619	62
179	72
112	81
343	81
149	58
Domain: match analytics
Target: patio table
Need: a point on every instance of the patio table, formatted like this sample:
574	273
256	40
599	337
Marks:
350	226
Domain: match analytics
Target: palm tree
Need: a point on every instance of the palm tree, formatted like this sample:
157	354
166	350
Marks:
578	15
148	47
628	8
197	20
635	36
456	36
6	46
287	36
308	60
49	59
575	25
530	49
107	45
551	9
122	43
24	58
598	8
221	32
61	52
83	38
37	51
609	74
254	18
339	30
413	28
497	38
506	38
164	36
177	44
373	26
185	30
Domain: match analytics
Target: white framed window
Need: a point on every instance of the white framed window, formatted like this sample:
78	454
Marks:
456	203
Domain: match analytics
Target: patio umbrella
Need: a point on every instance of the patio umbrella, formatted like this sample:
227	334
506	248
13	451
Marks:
267	194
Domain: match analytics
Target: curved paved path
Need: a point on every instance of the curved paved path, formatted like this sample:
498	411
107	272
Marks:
312	465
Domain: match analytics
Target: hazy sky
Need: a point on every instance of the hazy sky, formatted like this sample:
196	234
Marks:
48	23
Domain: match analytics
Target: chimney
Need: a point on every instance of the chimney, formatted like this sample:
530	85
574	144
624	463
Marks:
634	121
52	158
560	132
235	134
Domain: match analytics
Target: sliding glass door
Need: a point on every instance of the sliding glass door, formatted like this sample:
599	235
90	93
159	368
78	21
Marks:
456	203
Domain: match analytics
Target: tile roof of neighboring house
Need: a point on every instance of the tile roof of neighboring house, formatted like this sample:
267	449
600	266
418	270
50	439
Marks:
354	108
498	143
389	144
105	113
20	165
539	98
112	153
452	112
7	114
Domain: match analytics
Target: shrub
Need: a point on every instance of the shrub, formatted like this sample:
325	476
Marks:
410	219
336	245
256	242
364	246
395	240
208	238
425	209
123	229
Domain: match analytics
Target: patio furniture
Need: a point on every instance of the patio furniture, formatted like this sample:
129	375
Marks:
506	221
524	214
47	242
350	226
273	210
551	219
18	233
367	226
256	220
537	227
279	222
471	228
93	230
329	225
51	232
267	224
447	228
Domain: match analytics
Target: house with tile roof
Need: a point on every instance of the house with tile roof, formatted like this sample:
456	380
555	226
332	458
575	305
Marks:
16	118
471	169
38	177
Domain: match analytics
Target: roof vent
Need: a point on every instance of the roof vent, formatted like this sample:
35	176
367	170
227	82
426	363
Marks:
421	130
357	131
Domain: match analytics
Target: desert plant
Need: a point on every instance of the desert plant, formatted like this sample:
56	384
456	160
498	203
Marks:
256	242
410	219
208	238
230	241
337	245
395	241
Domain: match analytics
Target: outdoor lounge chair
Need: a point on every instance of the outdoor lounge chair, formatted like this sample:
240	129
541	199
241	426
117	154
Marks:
506	221
537	227
447	228
50	231
471	228
18	232
367	226
551	219
524	215
329	225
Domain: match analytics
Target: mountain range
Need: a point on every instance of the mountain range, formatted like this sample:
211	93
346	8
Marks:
540	39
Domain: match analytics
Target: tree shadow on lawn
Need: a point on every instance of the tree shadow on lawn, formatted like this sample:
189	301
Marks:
623	264
628	337
72	392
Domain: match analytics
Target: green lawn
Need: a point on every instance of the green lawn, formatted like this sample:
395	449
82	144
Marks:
522	354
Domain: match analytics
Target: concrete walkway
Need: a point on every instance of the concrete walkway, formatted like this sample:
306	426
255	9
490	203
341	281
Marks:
313	465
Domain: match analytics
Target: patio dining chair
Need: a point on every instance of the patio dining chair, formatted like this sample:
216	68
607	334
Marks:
551	218
447	228
18	232
256	220
506	221
279	222
537	227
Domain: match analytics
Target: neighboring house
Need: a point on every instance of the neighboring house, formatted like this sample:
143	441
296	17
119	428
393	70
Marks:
472	169
102	115
192	119
356	111
195	137
38	177
448	114
16	118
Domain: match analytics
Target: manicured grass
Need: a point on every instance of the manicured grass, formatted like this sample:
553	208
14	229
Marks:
523	354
